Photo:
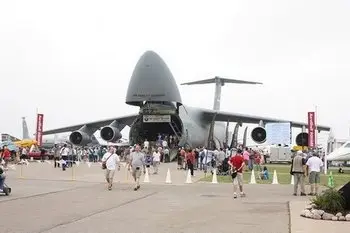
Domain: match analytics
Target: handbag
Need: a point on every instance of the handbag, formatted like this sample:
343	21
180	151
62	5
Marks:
234	173
104	166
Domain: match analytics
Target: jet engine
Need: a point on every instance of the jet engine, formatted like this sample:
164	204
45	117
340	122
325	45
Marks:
79	138
302	139
258	135
110	134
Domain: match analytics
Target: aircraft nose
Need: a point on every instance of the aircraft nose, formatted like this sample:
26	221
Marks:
152	80
331	156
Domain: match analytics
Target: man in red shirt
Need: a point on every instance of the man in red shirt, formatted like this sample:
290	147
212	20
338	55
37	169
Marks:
190	156
237	163
6	155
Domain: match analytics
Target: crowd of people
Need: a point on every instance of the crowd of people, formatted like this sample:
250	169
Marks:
150	155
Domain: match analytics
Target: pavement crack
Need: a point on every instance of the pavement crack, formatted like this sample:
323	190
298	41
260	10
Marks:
98	212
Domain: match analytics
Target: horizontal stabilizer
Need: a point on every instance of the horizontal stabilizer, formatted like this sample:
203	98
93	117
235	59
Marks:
222	80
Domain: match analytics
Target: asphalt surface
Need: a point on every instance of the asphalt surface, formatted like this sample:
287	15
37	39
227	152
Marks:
49	202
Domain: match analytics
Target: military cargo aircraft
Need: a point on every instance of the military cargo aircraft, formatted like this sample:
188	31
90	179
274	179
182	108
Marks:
153	89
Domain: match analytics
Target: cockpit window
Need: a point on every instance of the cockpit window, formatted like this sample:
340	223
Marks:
347	145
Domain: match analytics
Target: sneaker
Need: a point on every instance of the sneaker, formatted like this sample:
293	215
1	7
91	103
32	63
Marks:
310	194
242	194
234	195
294	194
302	194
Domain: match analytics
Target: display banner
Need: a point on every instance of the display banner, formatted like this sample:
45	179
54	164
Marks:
39	129
311	129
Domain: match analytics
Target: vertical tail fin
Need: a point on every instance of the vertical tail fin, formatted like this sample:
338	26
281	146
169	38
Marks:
25	129
219	82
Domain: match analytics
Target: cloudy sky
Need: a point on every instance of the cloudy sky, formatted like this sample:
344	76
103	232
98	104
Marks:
73	59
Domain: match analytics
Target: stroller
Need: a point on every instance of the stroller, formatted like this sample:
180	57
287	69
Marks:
224	168
4	189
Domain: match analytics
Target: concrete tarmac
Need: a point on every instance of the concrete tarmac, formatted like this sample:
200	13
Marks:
49	200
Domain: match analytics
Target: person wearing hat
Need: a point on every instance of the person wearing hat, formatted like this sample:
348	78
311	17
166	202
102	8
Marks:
298	171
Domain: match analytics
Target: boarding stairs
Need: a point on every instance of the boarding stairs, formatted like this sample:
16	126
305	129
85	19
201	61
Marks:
175	129
173	154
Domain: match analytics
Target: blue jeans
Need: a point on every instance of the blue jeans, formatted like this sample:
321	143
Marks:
2	181
250	164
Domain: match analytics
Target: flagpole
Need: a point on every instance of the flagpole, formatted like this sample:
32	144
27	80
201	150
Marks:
316	142
36	120
316	129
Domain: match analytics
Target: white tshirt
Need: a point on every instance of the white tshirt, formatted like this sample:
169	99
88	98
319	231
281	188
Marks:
64	151
146	144
164	143
156	156
112	161
24	151
314	163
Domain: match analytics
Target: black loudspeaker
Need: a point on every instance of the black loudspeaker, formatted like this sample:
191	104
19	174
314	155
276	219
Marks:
345	192
302	139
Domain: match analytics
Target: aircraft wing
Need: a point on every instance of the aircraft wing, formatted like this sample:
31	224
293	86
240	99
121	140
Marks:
124	120
243	118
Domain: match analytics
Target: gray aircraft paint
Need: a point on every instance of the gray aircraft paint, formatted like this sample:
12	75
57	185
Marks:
152	80
198	129
219	83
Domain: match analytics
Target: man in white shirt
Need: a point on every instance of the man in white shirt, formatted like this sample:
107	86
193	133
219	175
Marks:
314	165
112	160
24	154
156	161
64	156
164	143
146	144
166	155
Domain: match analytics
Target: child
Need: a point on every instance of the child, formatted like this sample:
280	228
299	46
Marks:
148	158
264	174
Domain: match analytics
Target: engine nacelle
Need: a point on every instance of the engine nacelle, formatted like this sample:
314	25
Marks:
302	139
110	134
79	138
258	135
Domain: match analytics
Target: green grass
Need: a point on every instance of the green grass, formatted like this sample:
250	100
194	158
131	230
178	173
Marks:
283	176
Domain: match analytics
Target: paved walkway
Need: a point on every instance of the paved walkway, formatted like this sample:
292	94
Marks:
48	200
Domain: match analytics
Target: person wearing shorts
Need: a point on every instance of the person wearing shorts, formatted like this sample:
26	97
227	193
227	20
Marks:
237	163
137	161
112	160
314	165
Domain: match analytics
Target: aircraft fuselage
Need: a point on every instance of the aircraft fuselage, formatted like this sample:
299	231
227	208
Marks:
184	122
